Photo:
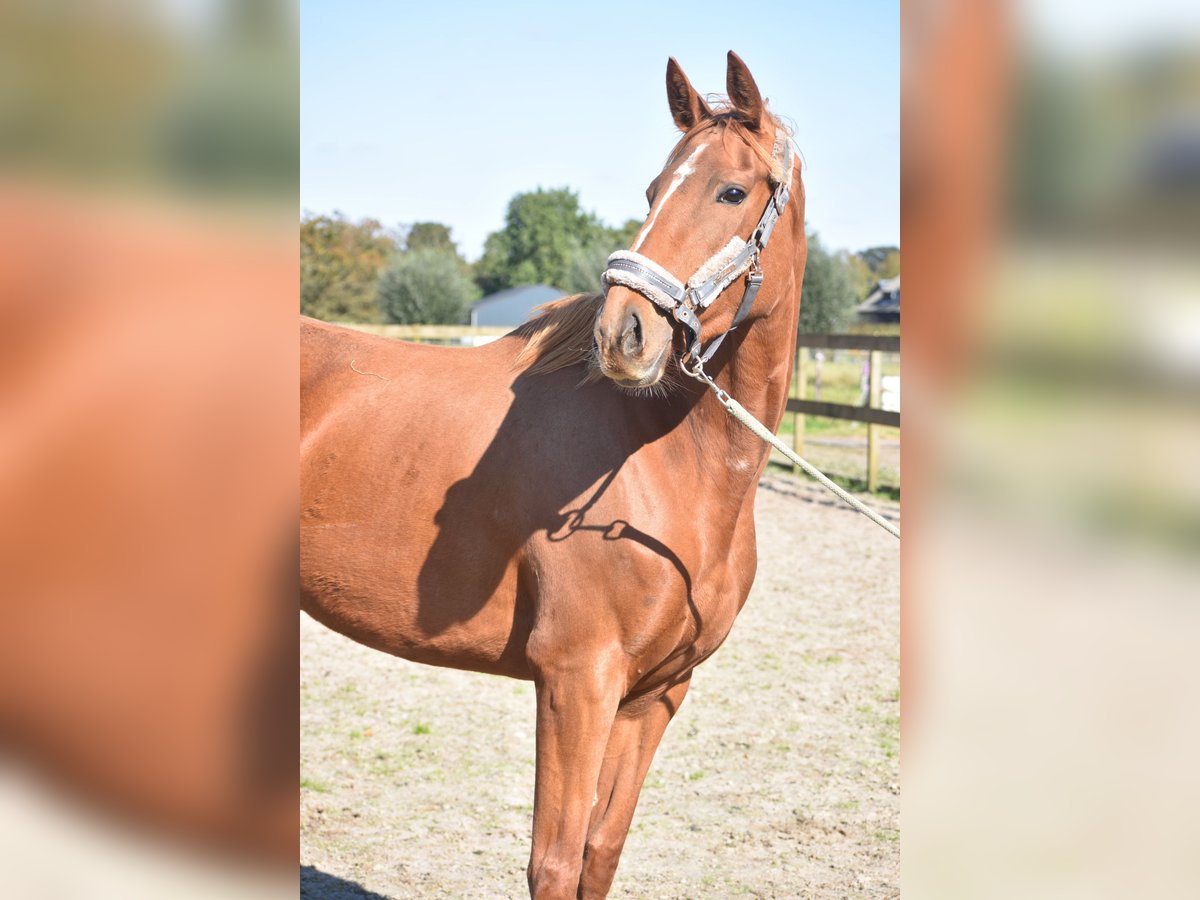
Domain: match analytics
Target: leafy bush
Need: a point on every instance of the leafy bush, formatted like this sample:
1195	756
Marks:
426	287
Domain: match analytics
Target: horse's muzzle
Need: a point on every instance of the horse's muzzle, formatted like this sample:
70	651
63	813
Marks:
633	339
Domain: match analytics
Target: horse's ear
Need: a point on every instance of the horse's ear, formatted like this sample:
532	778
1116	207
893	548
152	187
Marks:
743	93
688	108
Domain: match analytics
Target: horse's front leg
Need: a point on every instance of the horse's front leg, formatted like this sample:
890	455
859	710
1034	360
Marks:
631	746
577	698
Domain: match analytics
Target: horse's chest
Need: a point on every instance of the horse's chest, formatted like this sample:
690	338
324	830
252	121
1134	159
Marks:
698	620
717	606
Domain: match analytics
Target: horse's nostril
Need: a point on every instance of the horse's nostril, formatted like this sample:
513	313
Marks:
633	341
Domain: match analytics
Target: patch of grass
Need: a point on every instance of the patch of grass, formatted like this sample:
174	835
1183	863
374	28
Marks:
309	784
886	835
832	659
392	763
356	735
737	889
695	776
823	427
841	374
846	804
889	737
887	723
421	728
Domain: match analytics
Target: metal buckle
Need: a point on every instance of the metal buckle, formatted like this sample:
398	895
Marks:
685	314
697	372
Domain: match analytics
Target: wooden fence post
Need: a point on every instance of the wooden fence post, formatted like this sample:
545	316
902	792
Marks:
876	371
800	384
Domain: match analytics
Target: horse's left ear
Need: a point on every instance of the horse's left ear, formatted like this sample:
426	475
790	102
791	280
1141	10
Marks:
743	92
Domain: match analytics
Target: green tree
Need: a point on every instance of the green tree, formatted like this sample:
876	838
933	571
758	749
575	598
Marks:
340	265
868	266
890	267
623	236
429	236
426	287
884	262
544	230
829	294
585	266
587	262
861	275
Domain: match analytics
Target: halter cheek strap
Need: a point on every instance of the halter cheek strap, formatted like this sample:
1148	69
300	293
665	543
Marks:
637	272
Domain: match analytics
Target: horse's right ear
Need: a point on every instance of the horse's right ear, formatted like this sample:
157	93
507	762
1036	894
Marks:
688	108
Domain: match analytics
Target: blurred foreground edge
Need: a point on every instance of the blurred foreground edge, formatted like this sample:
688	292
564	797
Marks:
1051	214
148	629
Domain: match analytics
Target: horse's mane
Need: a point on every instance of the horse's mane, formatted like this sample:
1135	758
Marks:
560	335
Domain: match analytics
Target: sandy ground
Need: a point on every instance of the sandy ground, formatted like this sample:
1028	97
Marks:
779	777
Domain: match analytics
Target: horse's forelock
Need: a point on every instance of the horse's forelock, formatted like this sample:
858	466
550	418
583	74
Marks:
727	121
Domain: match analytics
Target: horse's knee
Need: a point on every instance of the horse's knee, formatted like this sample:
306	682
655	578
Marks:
600	859
553	879
602	850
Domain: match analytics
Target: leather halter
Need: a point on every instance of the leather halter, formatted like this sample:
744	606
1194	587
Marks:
637	272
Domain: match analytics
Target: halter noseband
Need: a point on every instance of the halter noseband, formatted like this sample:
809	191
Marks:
631	269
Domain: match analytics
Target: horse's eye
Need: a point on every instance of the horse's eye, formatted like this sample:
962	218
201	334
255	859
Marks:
733	195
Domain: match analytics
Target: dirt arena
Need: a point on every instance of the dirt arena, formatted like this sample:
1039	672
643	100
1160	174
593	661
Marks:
779	776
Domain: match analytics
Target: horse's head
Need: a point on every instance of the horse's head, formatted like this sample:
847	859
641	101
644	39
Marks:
719	179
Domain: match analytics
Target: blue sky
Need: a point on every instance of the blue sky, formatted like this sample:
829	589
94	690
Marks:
442	111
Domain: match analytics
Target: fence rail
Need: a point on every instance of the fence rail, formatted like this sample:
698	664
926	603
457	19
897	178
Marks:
871	414
428	332
882	343
844	411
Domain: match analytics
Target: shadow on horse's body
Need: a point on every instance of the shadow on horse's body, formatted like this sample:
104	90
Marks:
508	509
546	487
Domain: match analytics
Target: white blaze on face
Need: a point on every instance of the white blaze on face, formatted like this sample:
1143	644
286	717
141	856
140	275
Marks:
680	174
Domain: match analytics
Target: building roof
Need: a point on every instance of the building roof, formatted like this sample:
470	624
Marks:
884	300
513	306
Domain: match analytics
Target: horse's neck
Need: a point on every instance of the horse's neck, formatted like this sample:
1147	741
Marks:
756	372
757	369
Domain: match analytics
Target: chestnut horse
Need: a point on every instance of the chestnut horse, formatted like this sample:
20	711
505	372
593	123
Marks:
563	505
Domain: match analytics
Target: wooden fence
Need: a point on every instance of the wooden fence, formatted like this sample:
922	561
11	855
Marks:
871	414
429	332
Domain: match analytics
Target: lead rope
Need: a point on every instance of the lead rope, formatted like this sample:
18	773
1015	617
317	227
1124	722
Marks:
740	413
